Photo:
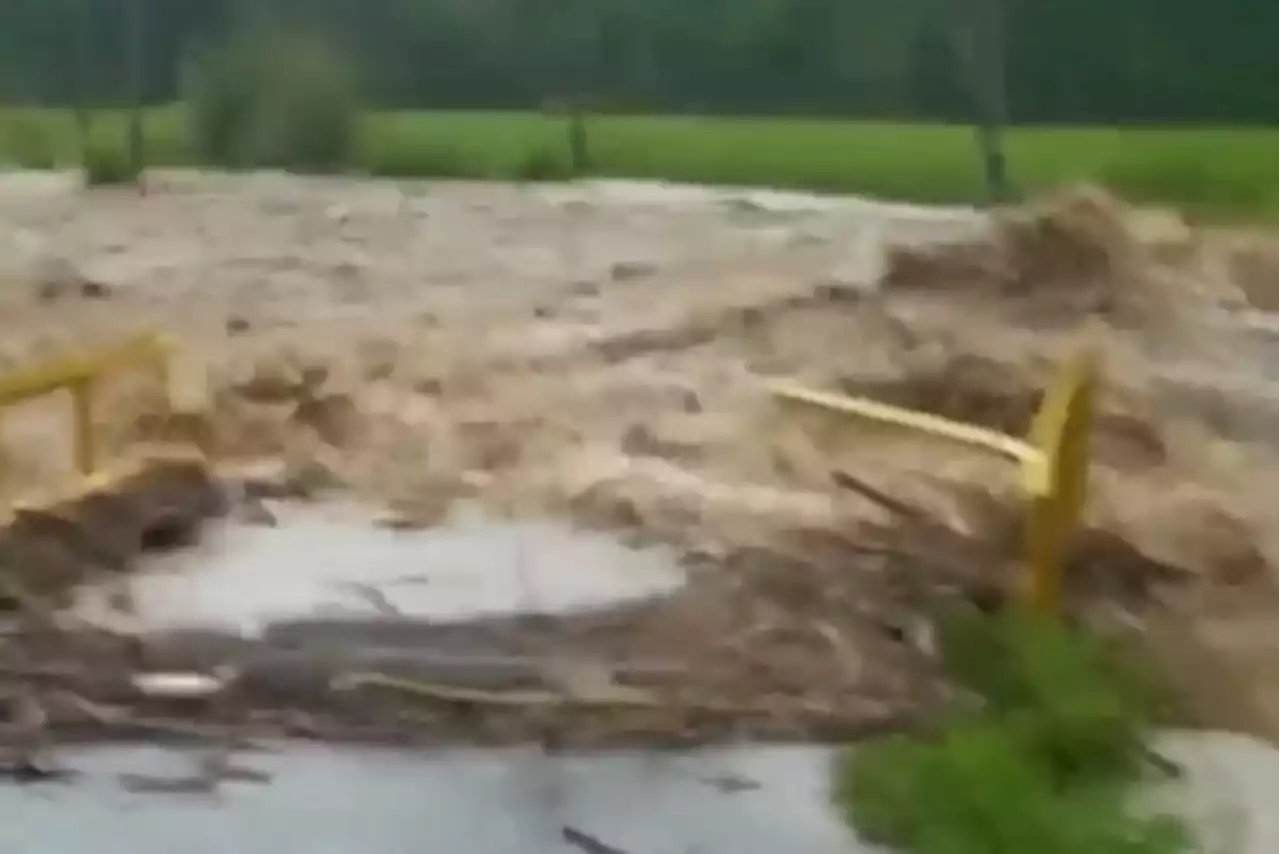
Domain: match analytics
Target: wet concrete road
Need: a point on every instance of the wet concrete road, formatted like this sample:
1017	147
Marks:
326	801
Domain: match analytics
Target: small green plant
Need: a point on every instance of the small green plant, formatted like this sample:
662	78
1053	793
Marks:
977	791
1076	702
1045	763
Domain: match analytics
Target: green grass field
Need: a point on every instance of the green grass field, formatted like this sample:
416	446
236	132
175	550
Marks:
1223	172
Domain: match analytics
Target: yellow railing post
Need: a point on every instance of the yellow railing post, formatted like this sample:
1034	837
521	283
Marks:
82	426
1056	493
1053	462
79	374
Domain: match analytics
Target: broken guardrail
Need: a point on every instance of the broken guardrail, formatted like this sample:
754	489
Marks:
51	538
1053	460
80	373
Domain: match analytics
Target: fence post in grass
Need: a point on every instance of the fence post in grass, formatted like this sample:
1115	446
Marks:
579	152
137	154
80	71
589	62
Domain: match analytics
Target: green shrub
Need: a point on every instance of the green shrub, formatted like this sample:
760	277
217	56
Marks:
269	98
218	99
1044	764
543	164
25	141
977	791
1079	704
106	161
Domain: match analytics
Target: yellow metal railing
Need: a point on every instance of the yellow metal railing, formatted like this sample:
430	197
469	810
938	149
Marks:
79	374
1053	461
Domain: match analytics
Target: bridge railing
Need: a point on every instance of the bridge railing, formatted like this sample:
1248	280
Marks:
80	374
1053	461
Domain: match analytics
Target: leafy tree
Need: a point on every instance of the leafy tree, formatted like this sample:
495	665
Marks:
1085	60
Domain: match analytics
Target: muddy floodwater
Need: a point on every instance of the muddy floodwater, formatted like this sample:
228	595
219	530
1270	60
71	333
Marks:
601	352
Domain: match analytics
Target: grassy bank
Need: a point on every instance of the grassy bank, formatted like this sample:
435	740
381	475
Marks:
1218	171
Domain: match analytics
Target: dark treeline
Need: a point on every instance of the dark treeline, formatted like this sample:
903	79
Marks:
1067	60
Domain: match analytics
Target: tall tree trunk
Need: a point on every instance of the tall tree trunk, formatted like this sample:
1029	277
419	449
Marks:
586	67
579	152
84	126
981	47
80	70
137	152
